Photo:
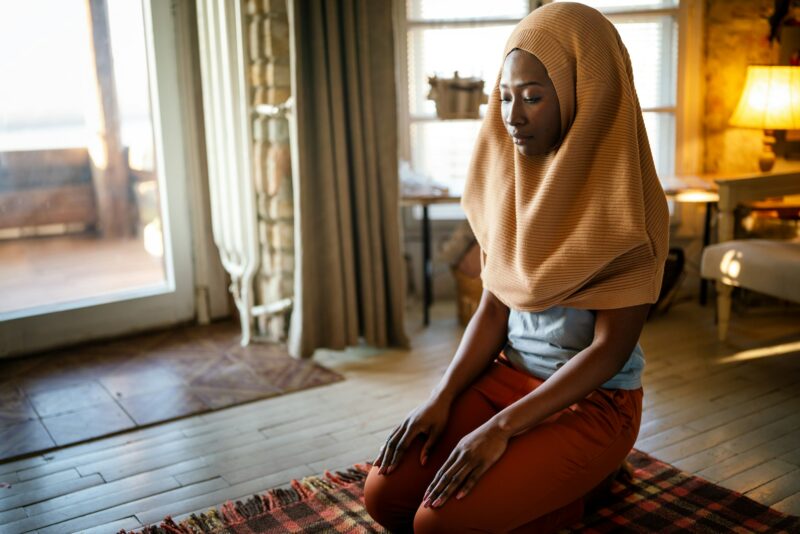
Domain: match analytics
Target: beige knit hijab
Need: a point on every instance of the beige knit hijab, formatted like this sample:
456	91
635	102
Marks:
587	225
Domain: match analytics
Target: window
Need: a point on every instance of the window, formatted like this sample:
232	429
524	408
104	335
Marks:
649	29
444	36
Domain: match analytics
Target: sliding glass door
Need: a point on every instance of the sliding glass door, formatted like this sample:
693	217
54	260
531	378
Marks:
94	217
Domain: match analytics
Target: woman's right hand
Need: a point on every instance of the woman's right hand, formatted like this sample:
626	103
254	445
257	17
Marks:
428	418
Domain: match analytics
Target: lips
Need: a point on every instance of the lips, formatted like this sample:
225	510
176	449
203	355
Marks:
521	139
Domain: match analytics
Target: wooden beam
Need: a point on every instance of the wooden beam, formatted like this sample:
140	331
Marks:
109	168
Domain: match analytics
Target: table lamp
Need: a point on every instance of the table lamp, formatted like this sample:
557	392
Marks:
770	101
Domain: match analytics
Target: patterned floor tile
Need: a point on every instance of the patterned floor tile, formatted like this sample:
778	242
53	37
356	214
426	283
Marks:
69	399
98	389
161	405
221	397
23	438
228	373
15	406
88	423
151	378
285	373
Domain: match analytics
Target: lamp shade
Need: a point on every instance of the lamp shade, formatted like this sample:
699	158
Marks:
770	99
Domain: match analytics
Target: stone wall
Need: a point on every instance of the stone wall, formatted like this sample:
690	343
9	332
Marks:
736	36
268	50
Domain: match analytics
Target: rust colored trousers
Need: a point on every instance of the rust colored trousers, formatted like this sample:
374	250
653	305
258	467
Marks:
537	485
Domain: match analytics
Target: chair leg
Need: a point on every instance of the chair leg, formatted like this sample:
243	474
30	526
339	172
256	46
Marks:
723	309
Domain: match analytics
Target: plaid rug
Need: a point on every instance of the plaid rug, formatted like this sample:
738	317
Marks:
658	498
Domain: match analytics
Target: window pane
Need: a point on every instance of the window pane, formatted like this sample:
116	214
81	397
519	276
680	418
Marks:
43	107
80	208
432	51
652	44
661	134
442	149
465	9
627	4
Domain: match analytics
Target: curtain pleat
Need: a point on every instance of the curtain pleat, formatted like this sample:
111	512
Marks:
350	272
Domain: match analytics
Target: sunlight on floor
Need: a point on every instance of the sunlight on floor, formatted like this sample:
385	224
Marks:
762	352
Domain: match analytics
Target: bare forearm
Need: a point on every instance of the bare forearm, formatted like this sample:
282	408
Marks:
582	374
616	334
483	339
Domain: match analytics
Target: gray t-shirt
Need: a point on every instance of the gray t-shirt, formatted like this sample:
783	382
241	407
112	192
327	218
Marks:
541	342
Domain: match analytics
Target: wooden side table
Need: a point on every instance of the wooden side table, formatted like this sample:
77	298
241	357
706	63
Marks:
695	189
739	189
427	263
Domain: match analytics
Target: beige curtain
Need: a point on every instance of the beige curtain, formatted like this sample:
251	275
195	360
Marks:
349	280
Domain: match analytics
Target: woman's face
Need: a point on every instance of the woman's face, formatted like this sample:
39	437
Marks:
529	104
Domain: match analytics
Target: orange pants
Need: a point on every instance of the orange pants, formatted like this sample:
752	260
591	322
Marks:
536	486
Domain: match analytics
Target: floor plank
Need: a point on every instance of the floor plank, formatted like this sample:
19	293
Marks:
757	476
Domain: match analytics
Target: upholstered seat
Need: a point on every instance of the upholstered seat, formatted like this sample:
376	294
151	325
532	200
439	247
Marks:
766	266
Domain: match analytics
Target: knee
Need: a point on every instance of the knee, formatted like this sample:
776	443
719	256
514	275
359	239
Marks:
381	502
438	521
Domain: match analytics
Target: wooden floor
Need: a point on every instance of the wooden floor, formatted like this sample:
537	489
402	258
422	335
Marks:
723	411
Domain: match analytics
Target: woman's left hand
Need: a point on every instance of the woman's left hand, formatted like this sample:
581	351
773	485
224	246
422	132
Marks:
471	458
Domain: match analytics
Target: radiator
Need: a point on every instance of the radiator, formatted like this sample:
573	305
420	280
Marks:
227	114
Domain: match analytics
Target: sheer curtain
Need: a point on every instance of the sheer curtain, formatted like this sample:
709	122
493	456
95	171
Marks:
349	279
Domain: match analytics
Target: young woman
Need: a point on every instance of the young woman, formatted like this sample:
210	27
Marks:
543	398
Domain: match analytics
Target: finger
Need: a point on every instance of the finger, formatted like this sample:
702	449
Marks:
400	448
440	473
382	451
456	483
452	482
446	476
470	482
388	448
433	437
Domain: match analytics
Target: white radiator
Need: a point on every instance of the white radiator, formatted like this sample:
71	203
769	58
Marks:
227	114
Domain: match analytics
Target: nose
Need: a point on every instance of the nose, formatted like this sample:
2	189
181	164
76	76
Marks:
515	117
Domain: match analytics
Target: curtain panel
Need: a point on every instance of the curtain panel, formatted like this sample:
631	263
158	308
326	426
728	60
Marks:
349	276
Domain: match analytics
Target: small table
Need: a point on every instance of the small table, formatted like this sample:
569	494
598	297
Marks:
736	189
425	200
694	189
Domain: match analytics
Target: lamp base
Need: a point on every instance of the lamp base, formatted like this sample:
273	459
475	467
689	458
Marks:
766	162
767	158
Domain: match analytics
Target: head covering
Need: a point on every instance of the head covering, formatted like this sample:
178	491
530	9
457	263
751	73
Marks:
585	226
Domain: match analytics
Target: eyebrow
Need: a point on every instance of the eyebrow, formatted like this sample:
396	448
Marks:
523	84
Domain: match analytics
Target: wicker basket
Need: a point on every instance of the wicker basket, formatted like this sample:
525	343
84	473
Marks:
456	97
468	295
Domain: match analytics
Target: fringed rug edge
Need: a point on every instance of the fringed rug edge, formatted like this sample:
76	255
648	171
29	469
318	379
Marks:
232	513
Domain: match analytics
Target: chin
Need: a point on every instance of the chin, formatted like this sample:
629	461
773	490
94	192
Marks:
529	151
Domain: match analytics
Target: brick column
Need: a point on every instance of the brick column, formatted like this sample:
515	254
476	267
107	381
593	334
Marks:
268	43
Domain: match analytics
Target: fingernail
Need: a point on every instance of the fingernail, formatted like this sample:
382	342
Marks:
460	494
391	468
437	502
424	459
